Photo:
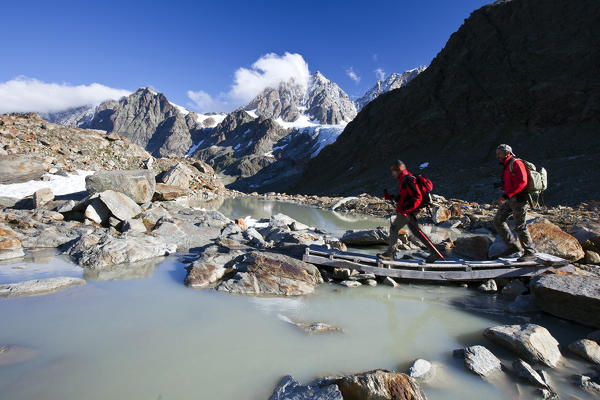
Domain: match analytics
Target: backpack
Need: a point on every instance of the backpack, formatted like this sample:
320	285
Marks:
537	179
425	186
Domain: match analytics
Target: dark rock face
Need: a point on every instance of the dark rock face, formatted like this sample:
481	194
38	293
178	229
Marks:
290	389
576	298
149	120
519	72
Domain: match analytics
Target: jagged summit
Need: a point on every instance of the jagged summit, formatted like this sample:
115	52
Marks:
320	100
391	82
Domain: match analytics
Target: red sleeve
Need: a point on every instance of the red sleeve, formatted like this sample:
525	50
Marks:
519	178
417	196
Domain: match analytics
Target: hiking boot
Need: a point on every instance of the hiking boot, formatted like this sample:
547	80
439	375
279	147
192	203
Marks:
510	249
387	256
527	257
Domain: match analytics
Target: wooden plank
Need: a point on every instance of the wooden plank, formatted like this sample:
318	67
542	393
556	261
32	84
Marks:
429	275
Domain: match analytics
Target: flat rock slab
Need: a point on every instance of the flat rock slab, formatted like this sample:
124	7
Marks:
120	205
531	341
38	287
365	237
526	371
572	297
264	273
378	384
15	169
480	361
290	389
139	185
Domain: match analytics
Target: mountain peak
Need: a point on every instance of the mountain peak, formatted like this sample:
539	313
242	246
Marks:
391	82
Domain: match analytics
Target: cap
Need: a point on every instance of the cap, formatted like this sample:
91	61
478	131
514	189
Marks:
398	163
505	147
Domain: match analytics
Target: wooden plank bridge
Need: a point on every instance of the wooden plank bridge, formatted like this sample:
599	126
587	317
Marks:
448	270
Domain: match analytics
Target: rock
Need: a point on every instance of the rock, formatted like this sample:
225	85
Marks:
180	175
583	233
120	205
572	297
473	247
592	244
139	185
481	361
370	282
186	235
316	327
264	273
591	257
164	192
42	197
341	273
38	287
488	286
16	169
421	370
10	254
390	282
547	394
202	275
549	238
350	284
336	244
281	220
365	237
135	225
152	215
241	223
15	354
532	341
523	304
377	385
525	371
586	348
289	389
100	252
298	226
8	239
112	221
97	211
586	382
66	206
440	214
513	289
496	249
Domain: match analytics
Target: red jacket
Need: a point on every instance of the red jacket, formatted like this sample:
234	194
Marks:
516	181
409	195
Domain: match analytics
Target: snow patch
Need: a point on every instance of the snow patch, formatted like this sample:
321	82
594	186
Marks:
218	118
181	109
60	185
193	149
252	113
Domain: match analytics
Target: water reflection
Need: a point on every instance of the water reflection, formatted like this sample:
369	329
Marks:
138	270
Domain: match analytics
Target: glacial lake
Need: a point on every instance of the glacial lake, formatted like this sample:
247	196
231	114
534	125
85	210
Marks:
139	333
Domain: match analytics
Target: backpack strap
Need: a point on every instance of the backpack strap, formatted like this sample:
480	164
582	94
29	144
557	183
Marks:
510	165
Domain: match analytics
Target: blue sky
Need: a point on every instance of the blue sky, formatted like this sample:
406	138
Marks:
181	46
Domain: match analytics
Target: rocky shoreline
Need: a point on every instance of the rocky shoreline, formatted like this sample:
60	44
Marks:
136	208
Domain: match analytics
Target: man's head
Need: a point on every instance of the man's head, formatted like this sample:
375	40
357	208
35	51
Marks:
397	167
503	152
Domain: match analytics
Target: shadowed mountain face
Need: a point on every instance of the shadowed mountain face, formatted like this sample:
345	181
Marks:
523	72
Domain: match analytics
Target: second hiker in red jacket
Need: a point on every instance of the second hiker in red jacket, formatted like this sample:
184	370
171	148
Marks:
408	200
513	201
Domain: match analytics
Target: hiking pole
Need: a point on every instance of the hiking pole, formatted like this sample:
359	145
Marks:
414	227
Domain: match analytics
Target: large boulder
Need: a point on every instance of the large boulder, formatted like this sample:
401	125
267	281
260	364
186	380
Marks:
94	251
377	385
290	389
480	361
180	175
587	349
572	297
165	192
42	196
10	245
531	341
14	169
473	247
38	287
264	273
365	237
549	238
139	185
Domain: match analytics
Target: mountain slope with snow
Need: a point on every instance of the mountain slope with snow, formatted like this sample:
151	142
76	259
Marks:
393	81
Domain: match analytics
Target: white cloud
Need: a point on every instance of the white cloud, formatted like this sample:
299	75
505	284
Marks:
24	94
266	72
352	75
380	73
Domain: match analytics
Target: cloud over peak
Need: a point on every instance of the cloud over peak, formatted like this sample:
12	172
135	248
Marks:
23	94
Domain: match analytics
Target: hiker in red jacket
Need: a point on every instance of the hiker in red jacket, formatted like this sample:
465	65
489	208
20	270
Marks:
408	201
513	201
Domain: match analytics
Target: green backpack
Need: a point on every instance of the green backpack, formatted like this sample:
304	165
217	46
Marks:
537	179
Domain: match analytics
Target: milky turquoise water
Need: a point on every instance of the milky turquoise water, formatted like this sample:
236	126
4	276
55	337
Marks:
150	337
